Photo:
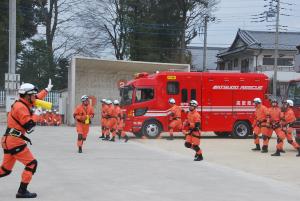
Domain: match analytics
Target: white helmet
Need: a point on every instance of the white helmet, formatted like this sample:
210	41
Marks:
290	103
257	100
84	98
172	101
108	102
116	102
194	103
103	100
27	88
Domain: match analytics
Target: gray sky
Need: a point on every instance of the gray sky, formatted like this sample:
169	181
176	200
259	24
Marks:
235	14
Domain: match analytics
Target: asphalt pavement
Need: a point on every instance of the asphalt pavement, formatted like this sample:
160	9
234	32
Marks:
132	171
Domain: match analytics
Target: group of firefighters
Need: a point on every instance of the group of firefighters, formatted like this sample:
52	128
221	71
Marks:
112	120
279	120
49	118
23	116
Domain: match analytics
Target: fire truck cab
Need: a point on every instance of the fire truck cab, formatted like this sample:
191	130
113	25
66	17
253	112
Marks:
225	100
293	93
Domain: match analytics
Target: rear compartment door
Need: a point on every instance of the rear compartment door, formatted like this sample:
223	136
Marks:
217	104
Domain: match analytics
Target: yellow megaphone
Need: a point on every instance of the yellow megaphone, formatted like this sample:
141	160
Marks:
43	104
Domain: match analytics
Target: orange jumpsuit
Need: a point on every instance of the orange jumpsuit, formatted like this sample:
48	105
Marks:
48	119
175	119
287	120
192	139
56	119
274	125
19	121
81	114
120	123
112	120
260	123
104	119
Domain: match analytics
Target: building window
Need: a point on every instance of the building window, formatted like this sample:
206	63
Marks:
280	61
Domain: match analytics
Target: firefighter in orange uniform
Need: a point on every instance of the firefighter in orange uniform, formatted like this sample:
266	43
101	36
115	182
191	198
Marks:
43	118
192	139
83	114
111	121
175	118
56	118
120	121
103	118
21	120
273	123
106	109
47	118
260	125
287	120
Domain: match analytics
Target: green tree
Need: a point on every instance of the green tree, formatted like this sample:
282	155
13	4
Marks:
34	66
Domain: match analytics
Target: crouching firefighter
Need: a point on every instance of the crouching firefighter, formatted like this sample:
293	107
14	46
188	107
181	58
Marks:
21	120
193	122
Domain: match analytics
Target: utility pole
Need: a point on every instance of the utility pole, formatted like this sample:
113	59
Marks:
12	37
205	43
12	80
276	49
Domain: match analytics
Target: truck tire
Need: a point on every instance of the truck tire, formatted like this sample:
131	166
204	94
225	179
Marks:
241	129
151	128
223	134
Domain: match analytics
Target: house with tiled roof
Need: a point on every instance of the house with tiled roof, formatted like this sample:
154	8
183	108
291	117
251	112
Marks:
253	51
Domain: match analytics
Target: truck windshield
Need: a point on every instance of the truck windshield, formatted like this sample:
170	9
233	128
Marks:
294	92
126	95
144	94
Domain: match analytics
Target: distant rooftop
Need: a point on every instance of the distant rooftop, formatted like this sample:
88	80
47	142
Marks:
263	40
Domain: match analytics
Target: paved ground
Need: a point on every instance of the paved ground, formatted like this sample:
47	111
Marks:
145	170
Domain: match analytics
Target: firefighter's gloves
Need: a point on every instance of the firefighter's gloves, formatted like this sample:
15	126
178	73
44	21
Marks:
50	85
38	111
197	126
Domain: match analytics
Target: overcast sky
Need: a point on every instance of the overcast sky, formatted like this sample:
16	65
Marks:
235	14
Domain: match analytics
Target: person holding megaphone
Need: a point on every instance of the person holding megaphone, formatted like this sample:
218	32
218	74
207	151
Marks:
21	120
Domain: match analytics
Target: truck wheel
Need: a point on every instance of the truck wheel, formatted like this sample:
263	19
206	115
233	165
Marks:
223	134
151	129
241	130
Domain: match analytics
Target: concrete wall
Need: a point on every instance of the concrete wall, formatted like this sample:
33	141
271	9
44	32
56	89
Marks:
101	84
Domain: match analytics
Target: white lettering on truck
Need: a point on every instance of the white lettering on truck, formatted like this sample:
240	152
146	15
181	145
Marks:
248	88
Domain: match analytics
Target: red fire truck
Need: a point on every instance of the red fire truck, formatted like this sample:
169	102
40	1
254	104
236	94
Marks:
225	100
293	93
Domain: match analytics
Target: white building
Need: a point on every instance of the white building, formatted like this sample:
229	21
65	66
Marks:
253	51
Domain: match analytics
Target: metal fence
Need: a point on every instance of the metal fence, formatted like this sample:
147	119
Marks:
2	98
52	97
